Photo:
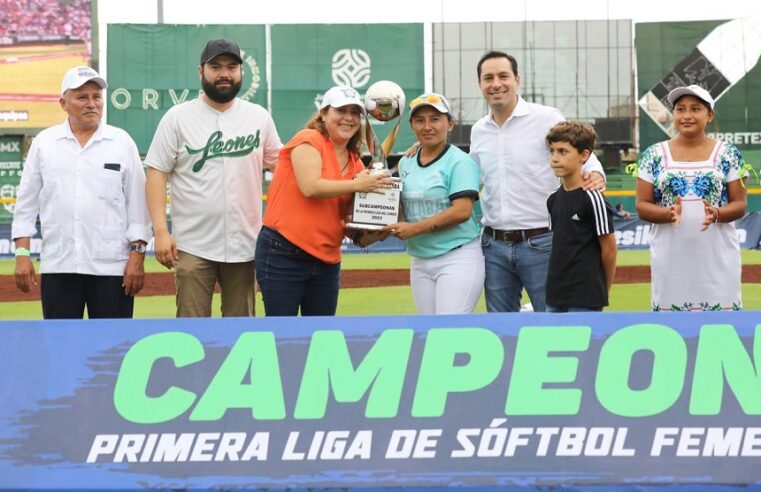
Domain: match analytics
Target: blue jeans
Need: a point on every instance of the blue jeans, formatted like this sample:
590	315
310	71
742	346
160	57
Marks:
571	309
291	279
512	266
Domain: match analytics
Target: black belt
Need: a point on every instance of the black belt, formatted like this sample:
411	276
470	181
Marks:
515	236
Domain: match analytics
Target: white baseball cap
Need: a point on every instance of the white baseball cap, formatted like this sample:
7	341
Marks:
691	90
340	96
436	101
79	76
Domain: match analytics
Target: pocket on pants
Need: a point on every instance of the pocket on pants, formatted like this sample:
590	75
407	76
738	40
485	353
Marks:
279	245
486	240
542	242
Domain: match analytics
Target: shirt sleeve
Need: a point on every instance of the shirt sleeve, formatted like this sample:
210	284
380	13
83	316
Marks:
138	220
272	144
646	164
732	162
28	196
593	165
464	177
601	212
164	149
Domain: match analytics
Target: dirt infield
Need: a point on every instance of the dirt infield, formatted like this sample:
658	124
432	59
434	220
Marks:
163	283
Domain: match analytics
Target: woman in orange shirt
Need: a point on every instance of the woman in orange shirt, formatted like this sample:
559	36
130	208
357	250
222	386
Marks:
298	252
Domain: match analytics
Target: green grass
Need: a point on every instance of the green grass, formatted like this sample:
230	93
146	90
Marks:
382	261
374	302
387	300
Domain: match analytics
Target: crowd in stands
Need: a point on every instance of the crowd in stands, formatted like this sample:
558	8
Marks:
30	18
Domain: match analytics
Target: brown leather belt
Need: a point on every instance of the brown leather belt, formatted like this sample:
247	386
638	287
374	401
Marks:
514	236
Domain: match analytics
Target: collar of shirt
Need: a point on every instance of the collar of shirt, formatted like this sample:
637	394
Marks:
522	108
104	132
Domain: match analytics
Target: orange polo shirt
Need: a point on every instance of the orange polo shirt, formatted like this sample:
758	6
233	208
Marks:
315	225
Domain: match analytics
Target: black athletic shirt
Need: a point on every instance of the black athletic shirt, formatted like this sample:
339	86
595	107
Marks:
576	277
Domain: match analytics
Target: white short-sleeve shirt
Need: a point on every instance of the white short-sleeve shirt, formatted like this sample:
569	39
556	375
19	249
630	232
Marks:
215	161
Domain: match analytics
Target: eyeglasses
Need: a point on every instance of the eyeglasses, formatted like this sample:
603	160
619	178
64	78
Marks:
432	99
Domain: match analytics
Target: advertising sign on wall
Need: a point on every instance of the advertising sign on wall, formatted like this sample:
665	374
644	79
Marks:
39	42
154	67
720	56
309	59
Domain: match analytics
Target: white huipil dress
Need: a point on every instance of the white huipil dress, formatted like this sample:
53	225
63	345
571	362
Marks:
693	270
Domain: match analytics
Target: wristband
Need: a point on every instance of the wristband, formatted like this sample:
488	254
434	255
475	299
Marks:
717	215
22	252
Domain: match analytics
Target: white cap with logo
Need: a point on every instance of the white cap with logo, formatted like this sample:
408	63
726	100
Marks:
691	90
340	96
79	76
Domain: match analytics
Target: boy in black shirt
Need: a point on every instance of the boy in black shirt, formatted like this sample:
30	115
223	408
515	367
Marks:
583	259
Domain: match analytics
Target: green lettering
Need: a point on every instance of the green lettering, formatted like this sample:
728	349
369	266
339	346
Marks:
440	374
720	355
533	367
130	398
666	380
256	140
240	143
329	364
254	356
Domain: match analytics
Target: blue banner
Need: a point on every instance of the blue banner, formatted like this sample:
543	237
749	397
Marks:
567	401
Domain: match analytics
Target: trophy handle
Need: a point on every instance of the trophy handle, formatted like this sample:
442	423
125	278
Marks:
391	138
374	146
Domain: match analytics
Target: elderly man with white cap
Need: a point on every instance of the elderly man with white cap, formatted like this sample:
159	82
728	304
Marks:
85	181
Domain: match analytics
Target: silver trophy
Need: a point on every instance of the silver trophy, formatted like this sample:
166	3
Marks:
384	101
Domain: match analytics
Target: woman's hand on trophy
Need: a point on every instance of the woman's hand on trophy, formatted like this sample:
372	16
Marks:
374	182
364	238
403	230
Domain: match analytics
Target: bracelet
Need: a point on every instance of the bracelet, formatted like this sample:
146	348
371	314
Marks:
717	215
22	252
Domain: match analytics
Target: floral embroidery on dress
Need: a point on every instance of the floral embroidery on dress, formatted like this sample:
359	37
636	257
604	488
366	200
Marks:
700	306
708	186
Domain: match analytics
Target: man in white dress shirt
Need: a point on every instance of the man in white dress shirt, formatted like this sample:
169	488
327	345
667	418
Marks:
509	146
85	181
212	151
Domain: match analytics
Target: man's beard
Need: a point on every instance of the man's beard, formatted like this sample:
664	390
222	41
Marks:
220	95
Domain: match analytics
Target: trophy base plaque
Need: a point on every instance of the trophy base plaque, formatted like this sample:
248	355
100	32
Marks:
374	211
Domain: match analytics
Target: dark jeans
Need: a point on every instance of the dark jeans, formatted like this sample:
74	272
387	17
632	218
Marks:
571	309
290	278
64	296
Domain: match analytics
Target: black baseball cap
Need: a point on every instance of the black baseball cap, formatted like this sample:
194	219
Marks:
217	47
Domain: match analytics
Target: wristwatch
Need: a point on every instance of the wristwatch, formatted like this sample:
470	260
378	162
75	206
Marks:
140	248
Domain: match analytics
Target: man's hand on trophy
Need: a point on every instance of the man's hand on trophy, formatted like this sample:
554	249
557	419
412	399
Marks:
403	230
374	182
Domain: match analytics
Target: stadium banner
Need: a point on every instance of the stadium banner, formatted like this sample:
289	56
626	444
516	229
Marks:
39	42
11	151
630	233
633	233
308	59
572	401
721	56
154	67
